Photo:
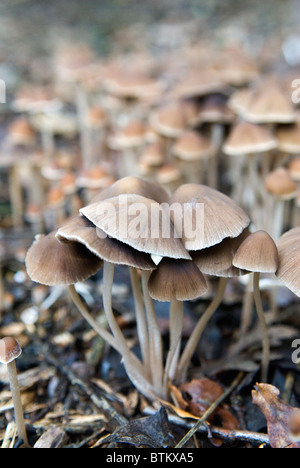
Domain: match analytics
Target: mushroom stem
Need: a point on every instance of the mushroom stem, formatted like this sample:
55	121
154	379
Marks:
176	325
192	342
87	316
155	340
264	328
132	364
141	322
16	396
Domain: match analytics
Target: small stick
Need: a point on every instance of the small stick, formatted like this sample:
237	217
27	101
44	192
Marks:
209	411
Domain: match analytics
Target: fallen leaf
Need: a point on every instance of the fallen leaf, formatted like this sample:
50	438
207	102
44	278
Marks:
282	419
152	431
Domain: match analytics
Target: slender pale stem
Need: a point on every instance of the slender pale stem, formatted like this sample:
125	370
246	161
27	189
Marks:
155	340
141	322
16	396
264	328
198	330
87	316
176	325
132	364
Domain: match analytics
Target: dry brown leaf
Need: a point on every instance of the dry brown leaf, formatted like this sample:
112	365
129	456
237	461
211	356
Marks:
282	418
193	398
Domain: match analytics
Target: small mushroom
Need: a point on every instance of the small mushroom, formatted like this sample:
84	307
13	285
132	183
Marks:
9	352
258	254
175	281
289	260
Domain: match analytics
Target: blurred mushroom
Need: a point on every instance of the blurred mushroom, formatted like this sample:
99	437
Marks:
9	352
281	189
193	150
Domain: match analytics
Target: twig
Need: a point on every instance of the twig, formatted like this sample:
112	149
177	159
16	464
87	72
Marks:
209	411
254	438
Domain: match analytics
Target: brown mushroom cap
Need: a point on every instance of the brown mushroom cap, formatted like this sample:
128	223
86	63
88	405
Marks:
288	137
192	146
9	350
133	185
176	280
80	229
289	260
246	137
279	182
217	260
50	262
168	121
257	253
222	217
266	103
140	222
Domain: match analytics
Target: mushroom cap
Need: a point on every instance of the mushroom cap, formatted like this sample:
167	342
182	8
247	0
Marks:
130	136
279	182
168	121
80	229
289	260
51	262
9	350
221	217
140	222
246	137
288	137
294	168
217	260
176	280
133	185
257	253
192	146
267	103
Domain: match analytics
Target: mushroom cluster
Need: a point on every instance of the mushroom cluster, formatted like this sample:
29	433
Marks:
171	245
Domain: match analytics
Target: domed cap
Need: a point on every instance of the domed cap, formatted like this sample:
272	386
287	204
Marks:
176	280
220	218
80	229
133	185
289	260
192	146
139	222
9	350
217	260
50	262
258	253
246	137
279	182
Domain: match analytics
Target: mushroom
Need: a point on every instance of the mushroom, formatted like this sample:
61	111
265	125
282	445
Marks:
215	261
220	218
248	145
175	281
133	185
145	225
288	271
9	352
258	254
80	229
281	189
128	141
193	150
51	262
